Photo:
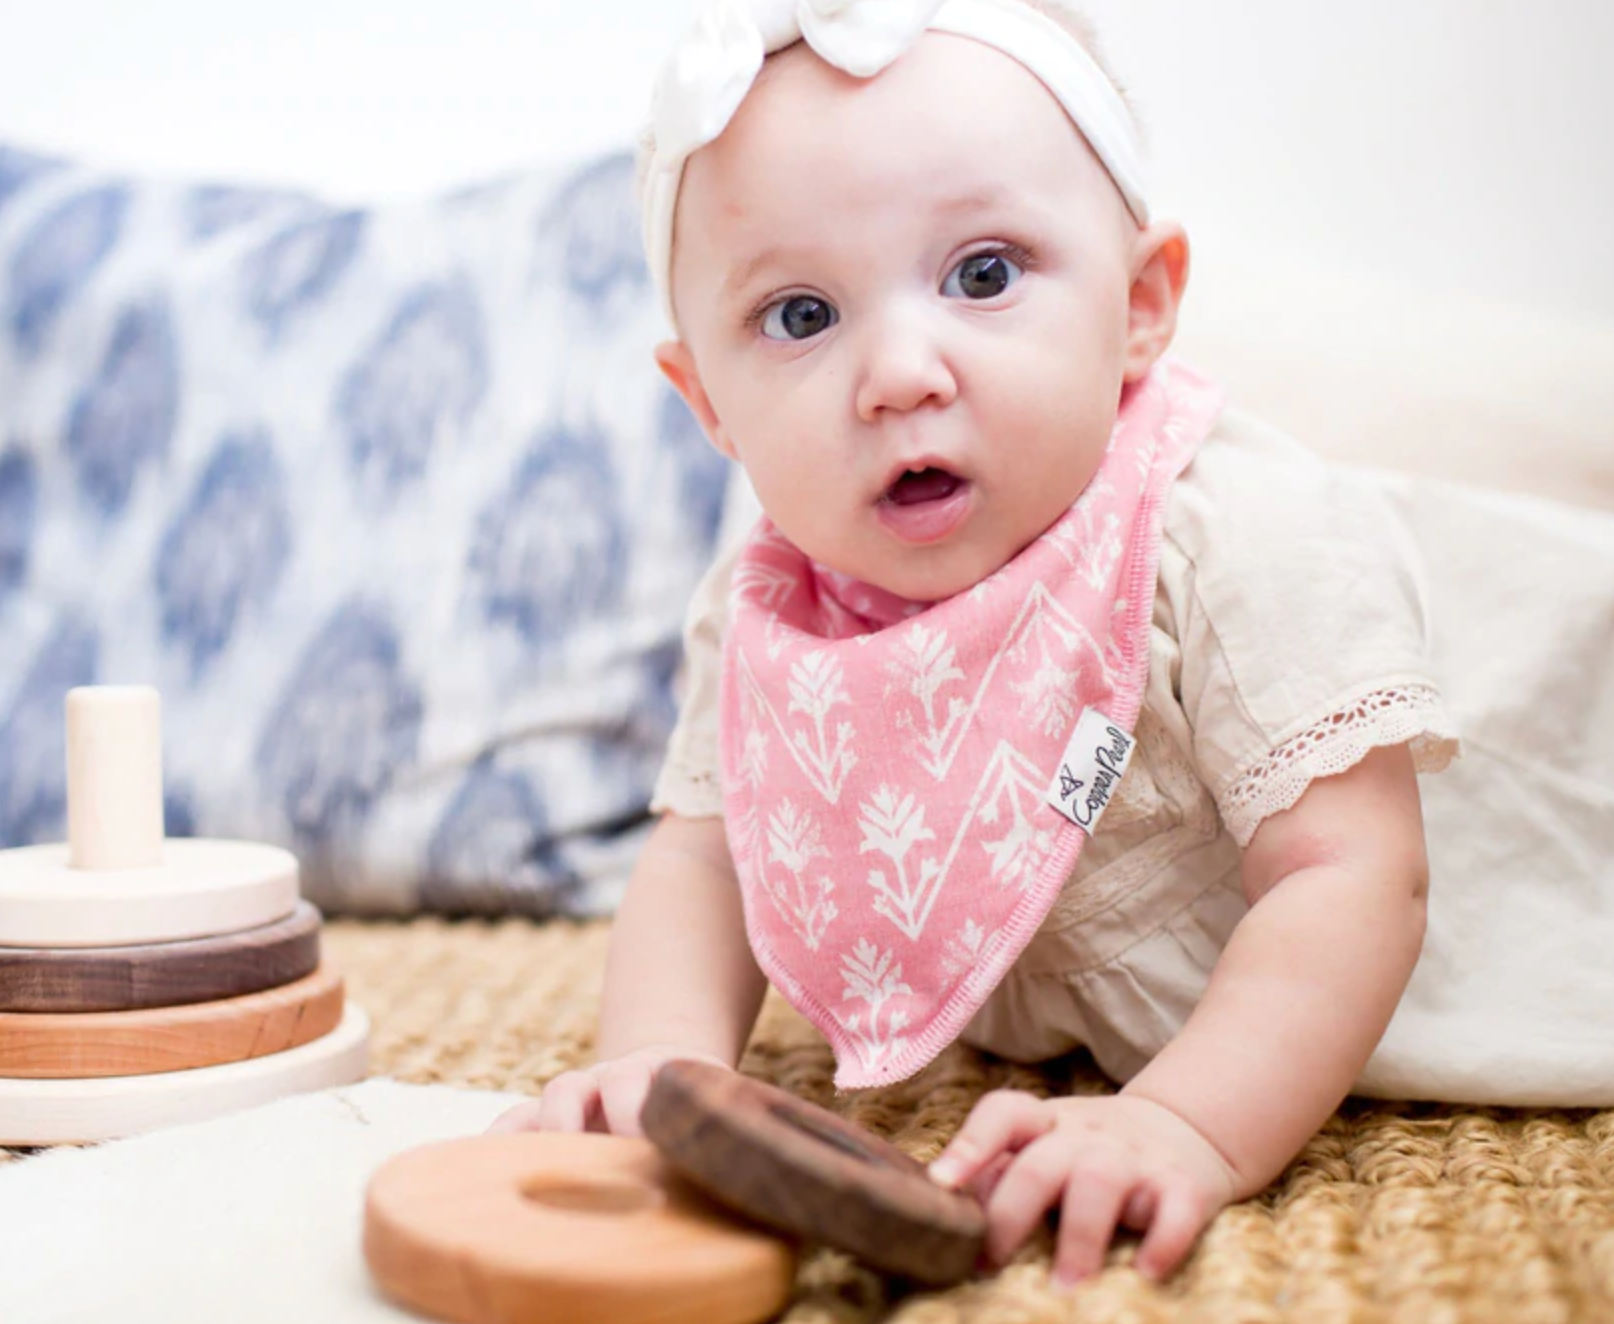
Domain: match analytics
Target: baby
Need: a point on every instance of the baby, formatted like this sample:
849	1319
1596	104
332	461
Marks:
1052	704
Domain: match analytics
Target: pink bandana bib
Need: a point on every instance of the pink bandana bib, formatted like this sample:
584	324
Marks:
891	772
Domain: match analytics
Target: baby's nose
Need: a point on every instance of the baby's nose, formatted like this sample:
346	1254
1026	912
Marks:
903	366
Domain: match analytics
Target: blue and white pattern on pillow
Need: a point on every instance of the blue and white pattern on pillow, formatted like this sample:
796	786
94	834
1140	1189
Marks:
392	506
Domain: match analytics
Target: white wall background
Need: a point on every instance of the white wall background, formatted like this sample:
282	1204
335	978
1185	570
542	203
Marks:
1463	146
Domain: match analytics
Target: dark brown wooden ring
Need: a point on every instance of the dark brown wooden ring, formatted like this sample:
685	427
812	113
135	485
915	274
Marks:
164	974
800	1169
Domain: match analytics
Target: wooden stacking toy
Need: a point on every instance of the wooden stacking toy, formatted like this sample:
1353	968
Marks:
698	1223
146	981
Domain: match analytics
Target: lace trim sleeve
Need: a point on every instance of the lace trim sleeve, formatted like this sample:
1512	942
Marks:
1411	715
687	788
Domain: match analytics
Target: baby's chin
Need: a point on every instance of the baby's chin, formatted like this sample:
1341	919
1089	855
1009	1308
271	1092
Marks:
928	577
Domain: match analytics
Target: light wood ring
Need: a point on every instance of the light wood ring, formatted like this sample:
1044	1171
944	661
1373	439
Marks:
41	1046
171	974
563	1229
74	1112
794	1166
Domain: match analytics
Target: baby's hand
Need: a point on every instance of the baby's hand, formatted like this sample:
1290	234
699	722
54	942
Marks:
1104	1162
604	1097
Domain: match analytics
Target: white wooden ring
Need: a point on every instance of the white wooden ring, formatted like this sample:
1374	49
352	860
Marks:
204	888
57	1112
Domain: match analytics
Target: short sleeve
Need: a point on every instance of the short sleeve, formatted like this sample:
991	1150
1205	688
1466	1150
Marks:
1301	613
689	783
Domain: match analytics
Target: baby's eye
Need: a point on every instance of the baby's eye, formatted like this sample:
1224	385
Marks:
800	317
984	276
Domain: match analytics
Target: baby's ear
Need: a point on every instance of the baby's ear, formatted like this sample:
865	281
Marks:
1159	276
678	364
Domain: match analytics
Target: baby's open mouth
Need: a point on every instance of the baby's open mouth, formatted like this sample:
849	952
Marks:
918	486
925	504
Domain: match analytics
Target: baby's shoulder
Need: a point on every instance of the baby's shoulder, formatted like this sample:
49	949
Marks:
1255	503
1276	560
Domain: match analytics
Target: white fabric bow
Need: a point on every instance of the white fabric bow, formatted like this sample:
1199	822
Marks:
703	83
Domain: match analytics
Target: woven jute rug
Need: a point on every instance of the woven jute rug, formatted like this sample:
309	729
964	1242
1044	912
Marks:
1416	1214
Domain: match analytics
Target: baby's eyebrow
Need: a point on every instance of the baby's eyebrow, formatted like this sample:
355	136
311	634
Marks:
988	197
741	276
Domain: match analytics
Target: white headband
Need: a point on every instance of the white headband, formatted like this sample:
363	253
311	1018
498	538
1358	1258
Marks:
712	67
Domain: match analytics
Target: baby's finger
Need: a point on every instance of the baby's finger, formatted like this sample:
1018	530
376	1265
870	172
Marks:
1003	1121
522	1117
622	1095
986	1180
1180	1215
568	1102
1095	1195
1031	1186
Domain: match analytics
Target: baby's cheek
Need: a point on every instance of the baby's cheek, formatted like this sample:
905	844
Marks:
795	498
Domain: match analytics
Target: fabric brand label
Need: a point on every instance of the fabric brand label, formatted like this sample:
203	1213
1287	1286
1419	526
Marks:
1094	762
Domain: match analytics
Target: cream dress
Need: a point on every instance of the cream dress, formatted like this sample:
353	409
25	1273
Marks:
1305	614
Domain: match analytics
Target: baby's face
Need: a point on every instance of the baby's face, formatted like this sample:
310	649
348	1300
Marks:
905	309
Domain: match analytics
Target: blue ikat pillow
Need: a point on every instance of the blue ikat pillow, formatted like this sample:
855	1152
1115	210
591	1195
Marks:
392	505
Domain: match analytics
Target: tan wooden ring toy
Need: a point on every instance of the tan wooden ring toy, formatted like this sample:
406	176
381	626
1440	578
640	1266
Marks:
35	1046
563	1229
82	979
799	1168
70	1112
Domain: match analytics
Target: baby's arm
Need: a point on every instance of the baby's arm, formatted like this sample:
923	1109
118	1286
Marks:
1312	974
1294	1009
679	982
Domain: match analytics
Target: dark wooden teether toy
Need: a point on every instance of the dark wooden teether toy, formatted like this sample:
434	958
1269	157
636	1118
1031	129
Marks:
802	1170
